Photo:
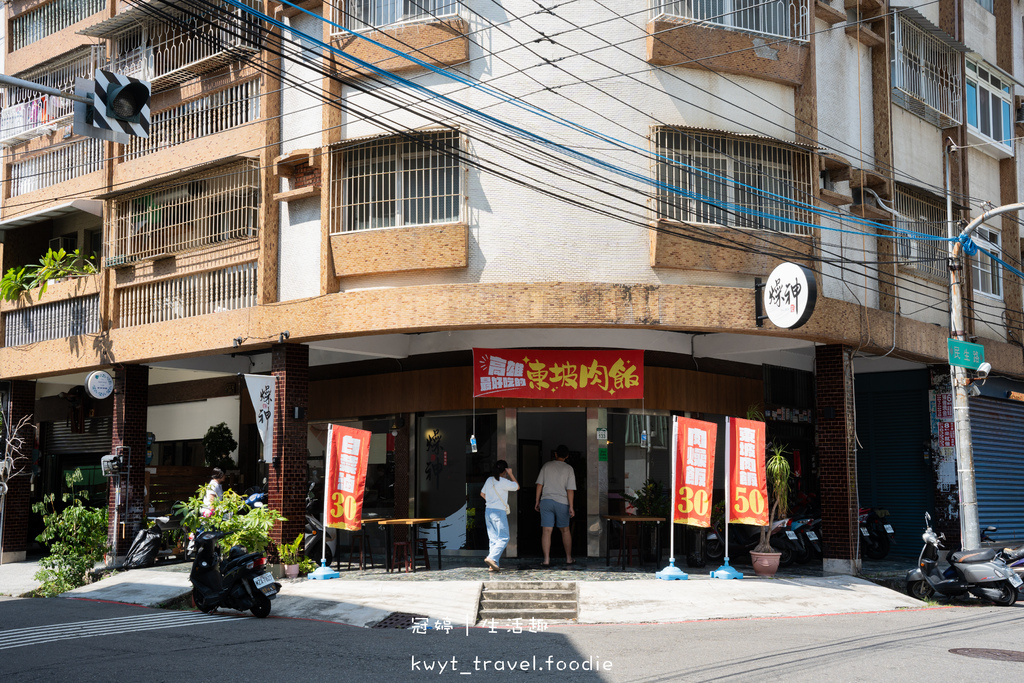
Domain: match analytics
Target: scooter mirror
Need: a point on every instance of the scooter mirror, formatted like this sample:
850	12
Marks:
927	519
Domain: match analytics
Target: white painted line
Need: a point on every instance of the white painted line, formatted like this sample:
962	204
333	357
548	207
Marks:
106	629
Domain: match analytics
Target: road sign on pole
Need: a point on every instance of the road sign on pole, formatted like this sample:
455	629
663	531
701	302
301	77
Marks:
965	354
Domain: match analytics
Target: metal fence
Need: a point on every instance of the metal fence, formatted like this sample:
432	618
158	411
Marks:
56	320
925	215
782	18
927	75
732	181
200	210
369	14
50	18
221	111
56	165
216	291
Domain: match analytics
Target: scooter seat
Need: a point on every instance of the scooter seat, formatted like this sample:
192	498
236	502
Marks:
972	556
1014	554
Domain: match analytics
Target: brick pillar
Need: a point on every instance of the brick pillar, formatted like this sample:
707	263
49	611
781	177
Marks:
837	458
287	480
17	504
131	403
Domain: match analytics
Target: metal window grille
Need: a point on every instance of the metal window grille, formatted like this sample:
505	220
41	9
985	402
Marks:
26	110
56	320
712	171
927	77
396	181
50	18
204	209
368	14
782	18
925	215
56	165
986	271
221	111
227	289
175	49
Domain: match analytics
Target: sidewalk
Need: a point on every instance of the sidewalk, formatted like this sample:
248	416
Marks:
605	597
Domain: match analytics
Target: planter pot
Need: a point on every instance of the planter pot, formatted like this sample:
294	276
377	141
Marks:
765	564
276	570
291	571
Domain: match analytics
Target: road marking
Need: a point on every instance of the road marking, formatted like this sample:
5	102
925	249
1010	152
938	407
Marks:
37	635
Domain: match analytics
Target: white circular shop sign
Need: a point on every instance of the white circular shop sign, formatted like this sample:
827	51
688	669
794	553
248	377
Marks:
790	295
99	384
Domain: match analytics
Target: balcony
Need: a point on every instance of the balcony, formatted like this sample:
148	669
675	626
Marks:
167	46
50	18
214	291
197	211
779	19
68	309
56	165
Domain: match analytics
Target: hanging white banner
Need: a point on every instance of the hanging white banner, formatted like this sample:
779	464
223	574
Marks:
263	394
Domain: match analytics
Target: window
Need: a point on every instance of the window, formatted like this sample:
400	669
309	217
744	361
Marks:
926	74
774	17
731	181
988	4
366	14
926	215
989	107
987	273
398	181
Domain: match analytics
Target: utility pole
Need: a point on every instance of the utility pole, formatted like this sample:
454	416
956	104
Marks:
970	534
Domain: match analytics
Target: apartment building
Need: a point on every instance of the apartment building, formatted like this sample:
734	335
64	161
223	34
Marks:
354	197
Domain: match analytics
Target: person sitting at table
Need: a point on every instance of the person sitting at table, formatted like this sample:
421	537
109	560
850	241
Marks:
495	492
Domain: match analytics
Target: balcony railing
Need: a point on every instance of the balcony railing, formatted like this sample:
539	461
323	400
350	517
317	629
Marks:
27	114
50	18
56	320
56	166
204	209
221	111
178	46
781	18
927	77
372	14
227	289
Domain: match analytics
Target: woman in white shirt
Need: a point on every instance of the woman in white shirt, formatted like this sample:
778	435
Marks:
214	491
495	492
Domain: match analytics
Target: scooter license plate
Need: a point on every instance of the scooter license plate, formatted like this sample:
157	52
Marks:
791	535
264	579
269	590
811	535
712	536
888	528
864	532
1015	581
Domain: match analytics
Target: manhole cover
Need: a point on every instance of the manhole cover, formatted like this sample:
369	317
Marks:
997	655
401	620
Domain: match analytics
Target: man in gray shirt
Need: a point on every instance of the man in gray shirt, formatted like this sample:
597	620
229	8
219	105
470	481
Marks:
556	485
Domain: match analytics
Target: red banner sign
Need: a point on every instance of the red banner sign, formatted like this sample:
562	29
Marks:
348	453
695	471
573	375
745	459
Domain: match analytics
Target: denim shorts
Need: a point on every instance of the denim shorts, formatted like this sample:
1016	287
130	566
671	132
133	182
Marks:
553	513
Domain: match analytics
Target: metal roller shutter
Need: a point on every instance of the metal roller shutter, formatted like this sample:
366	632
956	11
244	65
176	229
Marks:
997	432
96	439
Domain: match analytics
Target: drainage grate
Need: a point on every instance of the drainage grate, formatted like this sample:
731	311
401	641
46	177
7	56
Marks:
401	620
997	655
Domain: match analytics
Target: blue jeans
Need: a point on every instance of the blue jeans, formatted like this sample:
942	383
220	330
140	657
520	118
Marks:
497	532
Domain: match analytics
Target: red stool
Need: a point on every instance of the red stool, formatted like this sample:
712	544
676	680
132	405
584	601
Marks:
421	546
629	544
407	558
363	551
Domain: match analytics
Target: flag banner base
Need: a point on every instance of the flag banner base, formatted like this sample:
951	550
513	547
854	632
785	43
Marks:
324	572
726	572
672	572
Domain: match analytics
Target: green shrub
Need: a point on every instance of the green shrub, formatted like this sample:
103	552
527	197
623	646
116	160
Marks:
77	538
218	443
251	529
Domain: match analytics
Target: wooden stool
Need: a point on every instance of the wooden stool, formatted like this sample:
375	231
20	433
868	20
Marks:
421	546
629	544
407	558
363	551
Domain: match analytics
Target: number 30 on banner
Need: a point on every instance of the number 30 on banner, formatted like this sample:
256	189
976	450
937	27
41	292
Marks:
695	502
344	506
744	501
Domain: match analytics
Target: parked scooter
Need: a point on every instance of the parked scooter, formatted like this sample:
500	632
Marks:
876	534
978	572
743	538
241	582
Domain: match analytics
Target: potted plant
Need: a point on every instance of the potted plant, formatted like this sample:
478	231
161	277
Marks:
650	500
218	444
777	470
291	557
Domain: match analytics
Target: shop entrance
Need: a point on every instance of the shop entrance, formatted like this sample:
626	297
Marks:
539	434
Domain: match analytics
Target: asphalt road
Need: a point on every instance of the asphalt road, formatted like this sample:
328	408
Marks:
74	640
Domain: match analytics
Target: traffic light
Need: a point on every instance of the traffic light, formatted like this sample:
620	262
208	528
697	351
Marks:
119	109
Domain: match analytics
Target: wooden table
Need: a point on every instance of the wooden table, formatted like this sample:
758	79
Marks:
412	523
624	519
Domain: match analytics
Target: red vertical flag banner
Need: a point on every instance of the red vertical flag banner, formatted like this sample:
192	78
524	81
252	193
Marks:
748	499
348	453
695	471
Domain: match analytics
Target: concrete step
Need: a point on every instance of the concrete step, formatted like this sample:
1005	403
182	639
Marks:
527	604
547	616
547	601
529	595
529	585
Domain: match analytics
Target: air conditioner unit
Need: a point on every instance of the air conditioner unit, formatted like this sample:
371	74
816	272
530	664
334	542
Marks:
66	242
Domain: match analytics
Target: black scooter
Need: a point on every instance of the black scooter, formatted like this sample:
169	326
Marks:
240	583
978	572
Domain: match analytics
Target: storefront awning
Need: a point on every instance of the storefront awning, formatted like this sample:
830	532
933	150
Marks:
91	206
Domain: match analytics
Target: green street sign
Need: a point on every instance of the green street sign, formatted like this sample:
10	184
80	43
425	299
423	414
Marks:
965	354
